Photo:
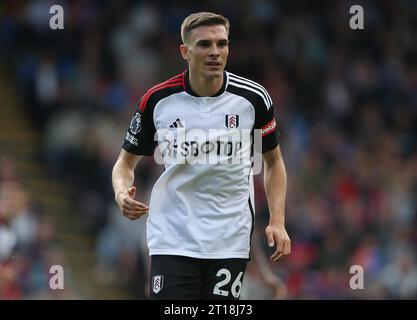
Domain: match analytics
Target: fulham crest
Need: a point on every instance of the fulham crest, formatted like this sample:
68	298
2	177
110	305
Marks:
157	283
232	121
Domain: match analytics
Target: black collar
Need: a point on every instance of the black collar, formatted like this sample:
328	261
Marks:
190	91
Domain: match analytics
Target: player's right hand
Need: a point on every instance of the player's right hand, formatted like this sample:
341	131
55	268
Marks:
129	207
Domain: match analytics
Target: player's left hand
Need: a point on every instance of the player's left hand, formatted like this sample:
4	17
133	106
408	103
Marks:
277	234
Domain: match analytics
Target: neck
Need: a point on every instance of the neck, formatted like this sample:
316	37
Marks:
205	87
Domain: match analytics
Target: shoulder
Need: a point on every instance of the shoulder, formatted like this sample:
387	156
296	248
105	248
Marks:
161	91
251	90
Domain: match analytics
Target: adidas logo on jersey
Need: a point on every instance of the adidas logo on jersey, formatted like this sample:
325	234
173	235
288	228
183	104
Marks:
177	124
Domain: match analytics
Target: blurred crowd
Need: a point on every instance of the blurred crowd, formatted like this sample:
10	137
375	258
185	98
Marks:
345	101
27	249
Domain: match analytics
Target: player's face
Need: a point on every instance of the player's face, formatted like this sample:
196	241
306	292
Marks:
207	51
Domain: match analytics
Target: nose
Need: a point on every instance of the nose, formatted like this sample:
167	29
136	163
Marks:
214	51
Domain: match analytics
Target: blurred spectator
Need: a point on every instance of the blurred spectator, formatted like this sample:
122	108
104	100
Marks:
26	253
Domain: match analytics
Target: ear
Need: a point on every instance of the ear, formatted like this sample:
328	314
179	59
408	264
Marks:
184	51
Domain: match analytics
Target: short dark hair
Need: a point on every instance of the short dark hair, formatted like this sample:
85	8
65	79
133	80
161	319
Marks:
199	19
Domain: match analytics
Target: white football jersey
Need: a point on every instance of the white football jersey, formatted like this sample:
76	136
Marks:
202	204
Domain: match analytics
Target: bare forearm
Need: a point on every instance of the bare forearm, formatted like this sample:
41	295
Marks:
122	177
275	180
123	174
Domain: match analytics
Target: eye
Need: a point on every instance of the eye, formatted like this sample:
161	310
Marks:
204	44
222	43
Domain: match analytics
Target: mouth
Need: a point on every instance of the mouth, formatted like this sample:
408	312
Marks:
214	64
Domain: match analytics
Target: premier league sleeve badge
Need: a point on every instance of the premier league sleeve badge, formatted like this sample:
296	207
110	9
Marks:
136	124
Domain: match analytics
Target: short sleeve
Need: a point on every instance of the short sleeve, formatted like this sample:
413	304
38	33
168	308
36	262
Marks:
266	122
140	136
